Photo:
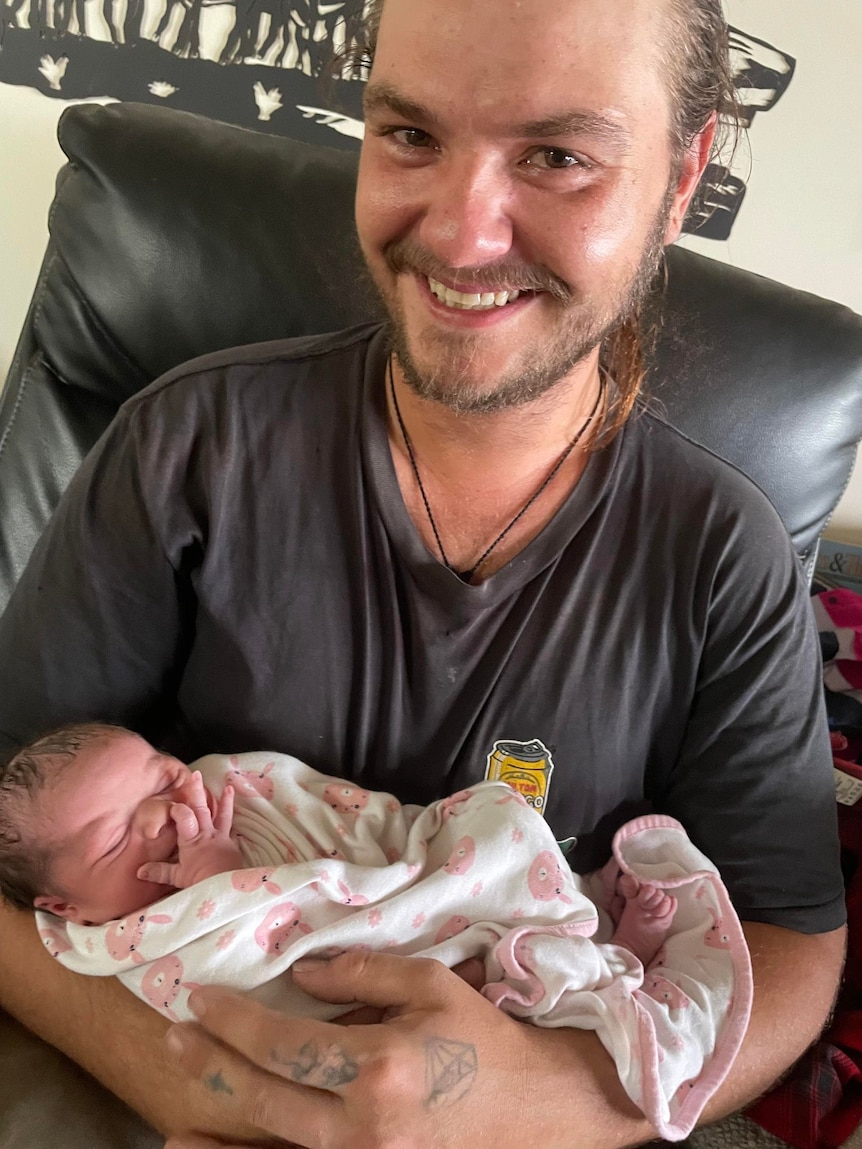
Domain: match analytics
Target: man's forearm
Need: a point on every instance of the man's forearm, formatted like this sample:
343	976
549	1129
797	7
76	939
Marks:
567	1073
98	1023
796	980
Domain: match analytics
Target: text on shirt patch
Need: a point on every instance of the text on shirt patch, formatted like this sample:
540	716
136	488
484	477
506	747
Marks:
526	766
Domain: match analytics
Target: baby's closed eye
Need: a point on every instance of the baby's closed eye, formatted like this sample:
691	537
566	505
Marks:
116	846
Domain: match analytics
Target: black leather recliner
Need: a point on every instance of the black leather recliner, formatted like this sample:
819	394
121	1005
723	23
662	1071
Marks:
172	236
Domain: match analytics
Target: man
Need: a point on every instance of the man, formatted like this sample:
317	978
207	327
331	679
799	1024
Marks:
478	578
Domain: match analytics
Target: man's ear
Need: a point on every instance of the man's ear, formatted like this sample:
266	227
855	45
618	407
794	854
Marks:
59	908
694	164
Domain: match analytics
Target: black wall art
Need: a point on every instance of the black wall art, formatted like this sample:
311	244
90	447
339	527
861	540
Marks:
264	64
268	64
762	74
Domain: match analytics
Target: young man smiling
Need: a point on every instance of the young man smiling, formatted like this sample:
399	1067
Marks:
502	563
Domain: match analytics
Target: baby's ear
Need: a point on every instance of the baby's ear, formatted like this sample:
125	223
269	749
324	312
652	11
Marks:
58	907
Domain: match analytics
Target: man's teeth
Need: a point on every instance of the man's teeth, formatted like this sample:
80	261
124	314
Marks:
468	301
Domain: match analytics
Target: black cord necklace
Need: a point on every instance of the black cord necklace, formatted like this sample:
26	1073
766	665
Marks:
465	576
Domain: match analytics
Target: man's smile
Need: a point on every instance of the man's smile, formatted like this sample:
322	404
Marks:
467	300
474	309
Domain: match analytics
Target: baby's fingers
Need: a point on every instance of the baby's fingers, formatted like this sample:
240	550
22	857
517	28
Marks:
186	822
224	811
199	802
162	873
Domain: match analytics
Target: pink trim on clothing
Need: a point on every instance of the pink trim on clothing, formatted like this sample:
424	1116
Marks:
736	1023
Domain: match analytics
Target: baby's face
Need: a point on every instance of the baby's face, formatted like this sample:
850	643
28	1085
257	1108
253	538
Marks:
108	813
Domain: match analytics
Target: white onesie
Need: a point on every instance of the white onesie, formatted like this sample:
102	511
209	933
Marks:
333	867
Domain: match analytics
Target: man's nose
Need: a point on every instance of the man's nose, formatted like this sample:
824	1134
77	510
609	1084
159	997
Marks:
467	222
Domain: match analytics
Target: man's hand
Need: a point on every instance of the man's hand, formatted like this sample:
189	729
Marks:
564	1081
443	1068
204	844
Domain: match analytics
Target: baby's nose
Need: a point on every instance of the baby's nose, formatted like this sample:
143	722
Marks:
154	814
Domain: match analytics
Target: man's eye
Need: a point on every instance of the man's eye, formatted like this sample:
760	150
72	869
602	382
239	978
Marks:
412	137
554	159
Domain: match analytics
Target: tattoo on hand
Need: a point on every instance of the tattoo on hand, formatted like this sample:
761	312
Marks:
217	1084
450	1070
325	1069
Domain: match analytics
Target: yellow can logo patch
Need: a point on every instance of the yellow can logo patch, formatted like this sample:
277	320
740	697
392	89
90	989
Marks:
526	766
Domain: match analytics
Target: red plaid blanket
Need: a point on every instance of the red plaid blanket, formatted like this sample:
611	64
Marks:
820	1104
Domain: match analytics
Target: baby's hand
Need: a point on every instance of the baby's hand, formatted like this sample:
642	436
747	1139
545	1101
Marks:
204	845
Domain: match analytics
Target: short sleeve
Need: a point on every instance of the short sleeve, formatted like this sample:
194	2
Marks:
93	630
753	782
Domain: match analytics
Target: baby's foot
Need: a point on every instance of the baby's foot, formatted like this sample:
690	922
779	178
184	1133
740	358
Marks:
646	919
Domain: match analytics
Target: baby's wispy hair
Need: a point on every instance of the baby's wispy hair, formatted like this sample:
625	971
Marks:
25	861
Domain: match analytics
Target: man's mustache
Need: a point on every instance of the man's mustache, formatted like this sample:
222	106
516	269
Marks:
407	255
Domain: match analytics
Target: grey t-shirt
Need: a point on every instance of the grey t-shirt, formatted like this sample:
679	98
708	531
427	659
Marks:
233	568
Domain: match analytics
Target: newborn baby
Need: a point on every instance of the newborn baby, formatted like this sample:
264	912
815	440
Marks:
257	860
121	825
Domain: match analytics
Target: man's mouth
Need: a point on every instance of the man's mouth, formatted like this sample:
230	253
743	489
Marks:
470	301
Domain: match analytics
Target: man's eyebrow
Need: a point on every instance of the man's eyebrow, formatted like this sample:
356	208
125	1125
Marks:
384	98
604	126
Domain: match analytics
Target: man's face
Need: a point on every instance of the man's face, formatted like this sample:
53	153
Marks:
109	813
513	147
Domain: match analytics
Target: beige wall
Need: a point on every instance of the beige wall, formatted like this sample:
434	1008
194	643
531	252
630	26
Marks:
801	222
29	159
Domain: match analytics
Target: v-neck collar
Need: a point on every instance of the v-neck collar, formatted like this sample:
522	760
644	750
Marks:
425	568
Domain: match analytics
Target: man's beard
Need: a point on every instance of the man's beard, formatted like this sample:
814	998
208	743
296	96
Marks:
582	326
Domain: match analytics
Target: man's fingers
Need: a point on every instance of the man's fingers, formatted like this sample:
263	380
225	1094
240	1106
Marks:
316	1054
365	1015
389	981
162	873
270	1102
472	971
